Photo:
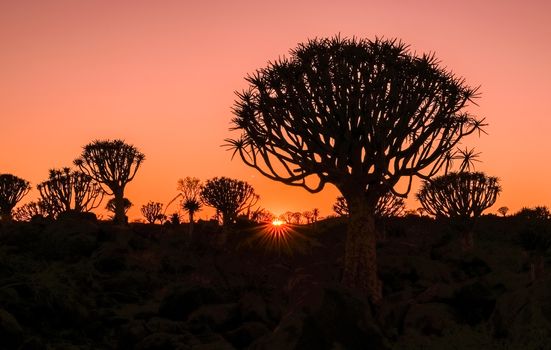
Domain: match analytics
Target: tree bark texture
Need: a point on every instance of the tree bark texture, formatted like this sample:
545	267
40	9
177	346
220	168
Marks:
360	260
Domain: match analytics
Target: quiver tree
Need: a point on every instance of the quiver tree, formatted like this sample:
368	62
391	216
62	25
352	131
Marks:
152	211
68	190
356	113
229	197
110	206
31	209
112	163
191	206
12	190
460	196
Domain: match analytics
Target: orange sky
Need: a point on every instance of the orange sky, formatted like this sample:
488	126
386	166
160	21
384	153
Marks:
161	75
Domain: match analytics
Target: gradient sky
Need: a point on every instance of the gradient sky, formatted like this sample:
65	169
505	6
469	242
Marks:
162	74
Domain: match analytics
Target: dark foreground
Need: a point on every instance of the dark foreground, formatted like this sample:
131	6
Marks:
80	284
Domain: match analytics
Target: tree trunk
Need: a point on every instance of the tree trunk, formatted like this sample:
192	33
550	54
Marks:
120	215
360	257
190	225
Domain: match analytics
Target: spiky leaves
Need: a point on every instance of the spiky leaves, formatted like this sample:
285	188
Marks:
12	190
113	163
351	111
69	190
459	194
228	196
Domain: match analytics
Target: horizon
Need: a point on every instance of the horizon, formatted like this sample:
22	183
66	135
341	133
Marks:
162	77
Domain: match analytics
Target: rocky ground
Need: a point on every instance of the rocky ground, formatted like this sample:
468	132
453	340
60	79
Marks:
81	284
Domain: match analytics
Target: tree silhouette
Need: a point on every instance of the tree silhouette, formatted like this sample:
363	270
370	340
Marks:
461	196
152	211
67	190
31	209
228	196
191	206
503	211
110	206
388	205
356	113
12	190
113	163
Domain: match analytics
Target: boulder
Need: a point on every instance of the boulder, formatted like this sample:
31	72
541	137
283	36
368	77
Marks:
11	332
524	316
330	319
242	336
181	301
430	318
216	317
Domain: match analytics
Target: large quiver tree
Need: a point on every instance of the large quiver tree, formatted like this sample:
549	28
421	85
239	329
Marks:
69	190
12	190
460	196
113	163
356	113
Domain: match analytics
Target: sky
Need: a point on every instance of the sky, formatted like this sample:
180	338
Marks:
162	75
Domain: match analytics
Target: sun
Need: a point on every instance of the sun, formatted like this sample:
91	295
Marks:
278	222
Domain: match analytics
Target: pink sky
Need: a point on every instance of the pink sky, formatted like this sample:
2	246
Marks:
161	75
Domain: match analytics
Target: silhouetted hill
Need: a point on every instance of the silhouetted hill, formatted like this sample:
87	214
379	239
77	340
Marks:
80	283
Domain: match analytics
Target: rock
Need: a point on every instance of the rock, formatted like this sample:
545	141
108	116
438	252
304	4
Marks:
252	307
332	319
429	319
11	332
111	257
179	303
473	303
245	334
524	316
166	341
212	341
216	317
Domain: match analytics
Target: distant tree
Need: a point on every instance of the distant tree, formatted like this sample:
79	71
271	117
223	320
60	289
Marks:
113	163
152	211
503	211
388	205
69	190
175	219
111	205
12	190
191	206
297	217
29	210
288	217
262	215
461	196
308	215
356	113
315	214
228	196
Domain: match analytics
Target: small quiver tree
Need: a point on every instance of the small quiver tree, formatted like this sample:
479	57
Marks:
152	211
112	163
31	209
460	196
12	190
356	113
68	190
229	197
191	206
110	206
